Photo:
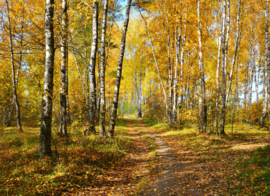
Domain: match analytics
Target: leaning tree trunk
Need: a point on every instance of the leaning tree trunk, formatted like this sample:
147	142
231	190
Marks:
7	122
92	67
154	55
265	83
46	115
102	73
13	72
64	64
202	103
119	73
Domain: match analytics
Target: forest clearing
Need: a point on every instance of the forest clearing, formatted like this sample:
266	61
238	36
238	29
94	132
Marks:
134	97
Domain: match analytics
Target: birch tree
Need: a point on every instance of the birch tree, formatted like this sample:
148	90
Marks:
102	73
13	72
235	52
119	73
64	69
92	67
202	102
223	73
265	83
46	115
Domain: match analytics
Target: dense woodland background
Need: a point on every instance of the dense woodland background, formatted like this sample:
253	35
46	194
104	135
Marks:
81	64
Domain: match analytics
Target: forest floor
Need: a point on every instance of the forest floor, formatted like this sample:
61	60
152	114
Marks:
201	164
145	158
80	166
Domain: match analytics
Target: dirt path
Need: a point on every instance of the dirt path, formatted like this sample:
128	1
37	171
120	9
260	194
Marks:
168	182
127	175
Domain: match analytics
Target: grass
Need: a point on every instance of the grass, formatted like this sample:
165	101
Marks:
76	162
254	172
237	163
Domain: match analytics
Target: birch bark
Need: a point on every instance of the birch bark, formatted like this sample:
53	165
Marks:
223	73
46	115
13	72
265	84
119	72
102	73
64	64
202	102
235	53
169	111
92	68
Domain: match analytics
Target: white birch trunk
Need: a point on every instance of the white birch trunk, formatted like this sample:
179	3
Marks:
92	68
119	73
223	73
14	84
265	84
64	64
202	102
46	115
235	53
102	73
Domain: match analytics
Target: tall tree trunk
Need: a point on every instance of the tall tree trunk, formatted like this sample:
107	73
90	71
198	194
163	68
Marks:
265	84
46	115
202	102
235	53
92	67
235	93
182	67
64	64
217	73
88	94
102	73
257	81
223	72
169	111
137	95
140	93
119	73
13	72
7	123
175	83
253	66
